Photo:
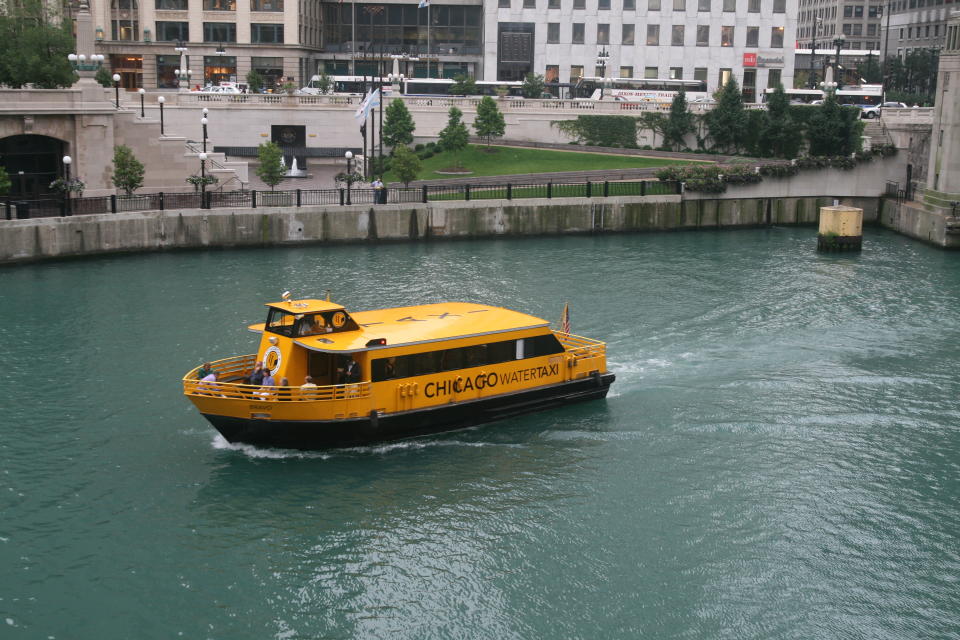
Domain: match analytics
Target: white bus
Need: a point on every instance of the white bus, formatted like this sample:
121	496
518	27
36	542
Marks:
344	86
639	89
863	95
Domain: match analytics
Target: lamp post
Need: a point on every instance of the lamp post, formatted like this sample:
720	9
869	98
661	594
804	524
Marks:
181	49
838	42
602	58
203	180
67	160
160	101
813	53
183	78
142	91
79	62
203	121
349	156
116	90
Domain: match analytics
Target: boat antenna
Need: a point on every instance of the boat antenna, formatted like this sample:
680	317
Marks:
328	295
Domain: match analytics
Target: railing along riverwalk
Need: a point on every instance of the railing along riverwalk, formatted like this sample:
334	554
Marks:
231	384
15	208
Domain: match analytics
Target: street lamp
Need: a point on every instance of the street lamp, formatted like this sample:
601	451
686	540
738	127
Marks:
203	121
160	101
203	180
142	91
66	172
838	43
813	53
349	156
79	62
602	59
116	89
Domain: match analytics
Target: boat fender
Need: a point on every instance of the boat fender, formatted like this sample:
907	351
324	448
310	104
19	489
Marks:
403	390
374	418
596	378
570	362
414	389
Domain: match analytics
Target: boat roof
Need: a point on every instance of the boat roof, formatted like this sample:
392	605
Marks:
418	324
305	306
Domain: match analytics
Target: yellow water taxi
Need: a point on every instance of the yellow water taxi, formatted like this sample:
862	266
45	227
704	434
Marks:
336	378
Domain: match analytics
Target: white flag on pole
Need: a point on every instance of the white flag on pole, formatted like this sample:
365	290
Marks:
370	102
423	4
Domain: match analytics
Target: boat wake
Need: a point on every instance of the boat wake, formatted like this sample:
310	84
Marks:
219	442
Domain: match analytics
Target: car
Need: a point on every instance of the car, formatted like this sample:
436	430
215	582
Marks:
869	111
894	105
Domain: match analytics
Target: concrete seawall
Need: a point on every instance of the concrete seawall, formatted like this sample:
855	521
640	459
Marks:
46	238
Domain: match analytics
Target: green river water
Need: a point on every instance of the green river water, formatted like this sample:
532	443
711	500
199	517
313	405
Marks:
778	458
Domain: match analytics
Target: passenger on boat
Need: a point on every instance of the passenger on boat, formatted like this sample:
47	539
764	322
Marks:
284	393
350	371
306	326
208	384
308	389
204	371
256	376
266	388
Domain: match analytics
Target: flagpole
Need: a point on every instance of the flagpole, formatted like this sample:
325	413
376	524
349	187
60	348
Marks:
428	39
353	37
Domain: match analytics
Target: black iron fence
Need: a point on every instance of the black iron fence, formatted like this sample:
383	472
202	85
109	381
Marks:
54	207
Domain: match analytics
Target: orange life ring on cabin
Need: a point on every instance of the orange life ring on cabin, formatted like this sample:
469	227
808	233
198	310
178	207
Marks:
272	358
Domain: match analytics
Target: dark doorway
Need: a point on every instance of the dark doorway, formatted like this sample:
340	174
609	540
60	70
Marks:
32	162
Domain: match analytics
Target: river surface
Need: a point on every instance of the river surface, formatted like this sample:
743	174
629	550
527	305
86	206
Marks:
778	458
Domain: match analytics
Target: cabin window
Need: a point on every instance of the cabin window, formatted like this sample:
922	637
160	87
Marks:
280	322
421	364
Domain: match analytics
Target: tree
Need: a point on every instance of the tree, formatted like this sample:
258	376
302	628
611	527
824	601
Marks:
533	86
834	130
454	137
255	81
270	168
781	137
104	78
127	170
463	86
406	165
655	122
33	47
727	121
870	70
398	126
489	122
324	83
679	123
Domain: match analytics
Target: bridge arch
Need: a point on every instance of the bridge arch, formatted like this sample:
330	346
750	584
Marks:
33	162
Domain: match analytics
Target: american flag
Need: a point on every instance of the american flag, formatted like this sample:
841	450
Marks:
565	318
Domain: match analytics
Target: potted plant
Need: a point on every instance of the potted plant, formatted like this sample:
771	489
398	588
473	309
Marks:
289	88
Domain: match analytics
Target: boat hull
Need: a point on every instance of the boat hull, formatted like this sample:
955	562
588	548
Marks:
324	434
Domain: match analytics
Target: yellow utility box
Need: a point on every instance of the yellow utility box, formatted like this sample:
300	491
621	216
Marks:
841	228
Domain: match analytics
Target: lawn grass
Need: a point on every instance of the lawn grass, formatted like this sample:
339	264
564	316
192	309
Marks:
513	160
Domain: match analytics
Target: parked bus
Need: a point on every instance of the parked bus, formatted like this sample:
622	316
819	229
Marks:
441	87
639	89
867	94
343	85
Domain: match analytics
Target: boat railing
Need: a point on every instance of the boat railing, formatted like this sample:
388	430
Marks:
230	384
579	346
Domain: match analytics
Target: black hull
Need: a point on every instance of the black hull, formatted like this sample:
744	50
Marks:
323	434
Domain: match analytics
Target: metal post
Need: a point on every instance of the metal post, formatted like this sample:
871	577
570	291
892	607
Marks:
160	101
643	187
113	203
425	189
66	170
349	174
466	192
203	180
203	121
161	201
116	90
588	189
813	54
298	197
509	191
549	190
341	196
142	91
606	188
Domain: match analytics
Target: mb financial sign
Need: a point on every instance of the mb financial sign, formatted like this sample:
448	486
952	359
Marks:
764	61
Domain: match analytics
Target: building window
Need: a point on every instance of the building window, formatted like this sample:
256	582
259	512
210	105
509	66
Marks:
576	71
219	32
676	73
553	32
603	5
166	66
730	5
858	11
553	4
217	69
171	5
577	33
872	11
127	30
779	6
726	36
266	5
679	5
579	4
503	4
773	79
676	37
219	5
653	35
653	5
703	5
649	72
848	11
627	36
603	34
858	31
776	38
848	29
700	73
749	85
529	4
753	36
753	6
629	5
266	33
626	72
552	73
271	69
173	31
703	35
725	75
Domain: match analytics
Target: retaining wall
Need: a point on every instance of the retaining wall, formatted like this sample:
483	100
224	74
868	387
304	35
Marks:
37	239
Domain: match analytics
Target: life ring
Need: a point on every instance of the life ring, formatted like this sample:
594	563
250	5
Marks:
339	318
272	358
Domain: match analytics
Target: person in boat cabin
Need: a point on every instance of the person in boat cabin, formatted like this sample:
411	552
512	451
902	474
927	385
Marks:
256	376
350	371
389	369
306	326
